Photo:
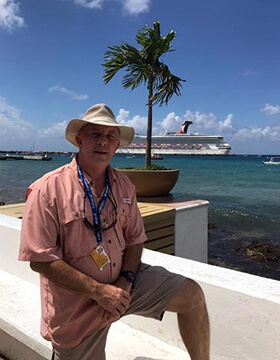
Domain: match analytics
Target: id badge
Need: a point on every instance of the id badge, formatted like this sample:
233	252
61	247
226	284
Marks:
100	257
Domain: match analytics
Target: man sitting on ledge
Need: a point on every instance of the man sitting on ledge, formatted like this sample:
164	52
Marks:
83	232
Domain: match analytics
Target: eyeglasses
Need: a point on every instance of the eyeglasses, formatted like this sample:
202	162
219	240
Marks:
100	227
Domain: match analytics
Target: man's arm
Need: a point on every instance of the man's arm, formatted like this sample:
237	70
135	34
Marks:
131	259
112	299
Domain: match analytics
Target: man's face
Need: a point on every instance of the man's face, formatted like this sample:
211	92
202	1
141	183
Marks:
98	143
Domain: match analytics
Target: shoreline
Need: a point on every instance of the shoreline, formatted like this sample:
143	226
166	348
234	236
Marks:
225	249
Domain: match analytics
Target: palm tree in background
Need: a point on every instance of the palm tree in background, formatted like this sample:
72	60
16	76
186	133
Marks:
143	66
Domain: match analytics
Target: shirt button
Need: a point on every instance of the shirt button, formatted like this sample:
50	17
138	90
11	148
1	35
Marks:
109	241
114	264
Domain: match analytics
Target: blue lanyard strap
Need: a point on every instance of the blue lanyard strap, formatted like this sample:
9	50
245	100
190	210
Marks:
95	212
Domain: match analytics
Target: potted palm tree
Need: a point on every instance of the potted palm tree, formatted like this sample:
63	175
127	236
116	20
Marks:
143	66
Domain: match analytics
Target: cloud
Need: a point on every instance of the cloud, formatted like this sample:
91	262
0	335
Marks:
9	15
270	109
135	7
71	93
209	124
269	133
17	133
90	4
138	122
12	125
227	124
54	131
132	7
173	122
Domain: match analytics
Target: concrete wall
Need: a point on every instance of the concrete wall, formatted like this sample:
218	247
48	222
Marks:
191	230
244	309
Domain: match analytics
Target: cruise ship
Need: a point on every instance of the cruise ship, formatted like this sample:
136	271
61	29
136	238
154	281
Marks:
179	143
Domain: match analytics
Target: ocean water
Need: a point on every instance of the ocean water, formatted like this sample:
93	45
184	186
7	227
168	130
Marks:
244	198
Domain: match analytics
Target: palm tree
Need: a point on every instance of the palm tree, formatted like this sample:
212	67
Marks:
143	66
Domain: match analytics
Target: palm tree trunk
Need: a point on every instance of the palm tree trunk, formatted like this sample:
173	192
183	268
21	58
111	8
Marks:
149	125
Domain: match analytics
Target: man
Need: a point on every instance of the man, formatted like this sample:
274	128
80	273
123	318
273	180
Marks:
83	233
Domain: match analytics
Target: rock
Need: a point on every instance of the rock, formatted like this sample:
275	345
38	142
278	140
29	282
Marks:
259	251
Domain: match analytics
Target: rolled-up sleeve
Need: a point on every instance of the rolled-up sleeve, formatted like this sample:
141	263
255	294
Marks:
40	230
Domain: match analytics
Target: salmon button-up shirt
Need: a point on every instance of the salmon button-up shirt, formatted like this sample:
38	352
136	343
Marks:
53	229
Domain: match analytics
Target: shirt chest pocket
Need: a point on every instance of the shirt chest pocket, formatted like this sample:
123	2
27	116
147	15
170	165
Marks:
77	240
124	214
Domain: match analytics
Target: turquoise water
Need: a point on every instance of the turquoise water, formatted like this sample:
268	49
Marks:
244	194
244	198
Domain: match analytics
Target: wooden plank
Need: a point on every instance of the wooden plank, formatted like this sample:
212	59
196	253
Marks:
160	243
149	212
159	224
13	210
158	216
160	233
147	209
168	250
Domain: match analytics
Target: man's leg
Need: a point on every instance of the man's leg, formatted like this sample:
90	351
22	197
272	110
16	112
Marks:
189	304
92	347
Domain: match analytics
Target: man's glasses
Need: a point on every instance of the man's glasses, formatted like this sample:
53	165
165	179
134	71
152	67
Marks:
100	227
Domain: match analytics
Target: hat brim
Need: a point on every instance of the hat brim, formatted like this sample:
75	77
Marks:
126	132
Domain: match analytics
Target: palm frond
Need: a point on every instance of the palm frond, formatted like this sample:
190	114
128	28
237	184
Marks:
166	85
119	57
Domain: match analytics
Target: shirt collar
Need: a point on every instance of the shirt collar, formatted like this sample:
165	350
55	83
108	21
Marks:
73	165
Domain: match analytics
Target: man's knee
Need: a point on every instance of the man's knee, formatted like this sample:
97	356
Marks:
189	297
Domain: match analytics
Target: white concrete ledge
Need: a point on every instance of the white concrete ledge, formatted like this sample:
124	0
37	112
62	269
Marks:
244	312
20	329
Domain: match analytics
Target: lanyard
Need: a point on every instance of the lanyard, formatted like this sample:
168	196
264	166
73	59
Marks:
95	211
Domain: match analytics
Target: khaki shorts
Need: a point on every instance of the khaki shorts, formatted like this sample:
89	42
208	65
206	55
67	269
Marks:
154	288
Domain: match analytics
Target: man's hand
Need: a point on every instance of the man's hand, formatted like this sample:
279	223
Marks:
123	284
114	300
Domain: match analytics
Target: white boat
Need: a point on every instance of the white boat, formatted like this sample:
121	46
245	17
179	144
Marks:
44	157
272	161
156	157
37	157
179	143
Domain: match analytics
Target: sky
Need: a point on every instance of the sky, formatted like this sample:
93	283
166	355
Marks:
52	51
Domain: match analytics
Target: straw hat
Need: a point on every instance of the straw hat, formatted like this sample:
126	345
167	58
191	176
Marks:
99	114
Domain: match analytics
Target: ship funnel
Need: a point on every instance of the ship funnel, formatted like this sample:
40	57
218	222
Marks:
184	128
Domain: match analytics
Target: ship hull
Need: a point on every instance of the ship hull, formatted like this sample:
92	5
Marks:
174	152
179	145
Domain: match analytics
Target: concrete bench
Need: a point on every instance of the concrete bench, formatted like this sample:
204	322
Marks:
20	329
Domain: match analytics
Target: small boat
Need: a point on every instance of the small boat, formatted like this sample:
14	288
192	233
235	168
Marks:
13	157
37	157
27	157
272	161
156	157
